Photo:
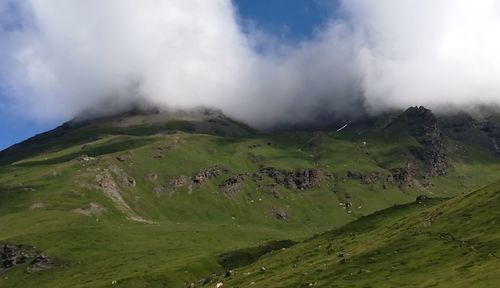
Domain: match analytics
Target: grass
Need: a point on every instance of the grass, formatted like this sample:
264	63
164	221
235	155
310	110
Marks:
196	229
452	244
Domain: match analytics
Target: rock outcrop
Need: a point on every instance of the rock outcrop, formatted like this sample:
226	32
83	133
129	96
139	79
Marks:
279	214
299	179
423	125
207	174
14	255
403	177
110	189
94	209
365	178
233	184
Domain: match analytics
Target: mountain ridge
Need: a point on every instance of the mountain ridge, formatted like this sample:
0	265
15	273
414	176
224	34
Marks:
136	203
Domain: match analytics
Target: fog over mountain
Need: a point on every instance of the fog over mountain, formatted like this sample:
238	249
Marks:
59	58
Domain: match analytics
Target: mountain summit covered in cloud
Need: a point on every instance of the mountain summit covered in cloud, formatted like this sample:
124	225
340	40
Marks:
59	58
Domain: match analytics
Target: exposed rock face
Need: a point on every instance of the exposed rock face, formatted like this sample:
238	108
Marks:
13	255
173	185
423	125
233	184
123	178
205	175
40	263
85	160
279	214
366	178
108	186
127	181
94	209
301	179
38	205
402	177
125	157
179	182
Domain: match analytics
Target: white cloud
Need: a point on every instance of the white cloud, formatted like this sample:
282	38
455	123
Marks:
69	56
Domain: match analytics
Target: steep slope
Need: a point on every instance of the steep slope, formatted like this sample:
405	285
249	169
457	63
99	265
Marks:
453	244
152	199
139	122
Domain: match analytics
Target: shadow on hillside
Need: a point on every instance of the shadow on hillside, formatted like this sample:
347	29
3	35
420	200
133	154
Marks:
247	256
104	149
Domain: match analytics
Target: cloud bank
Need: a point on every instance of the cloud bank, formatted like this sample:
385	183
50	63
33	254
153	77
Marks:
59	58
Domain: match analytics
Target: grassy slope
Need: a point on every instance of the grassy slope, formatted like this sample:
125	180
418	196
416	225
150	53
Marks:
454	244
193	227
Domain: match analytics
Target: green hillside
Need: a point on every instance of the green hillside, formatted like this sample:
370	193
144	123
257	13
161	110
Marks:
422	244
156	200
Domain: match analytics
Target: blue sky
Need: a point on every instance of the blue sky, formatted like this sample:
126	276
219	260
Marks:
289	20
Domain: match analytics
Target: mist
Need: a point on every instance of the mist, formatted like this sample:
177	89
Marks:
59	58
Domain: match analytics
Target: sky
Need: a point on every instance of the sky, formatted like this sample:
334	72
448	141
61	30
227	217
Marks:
266	63
288	20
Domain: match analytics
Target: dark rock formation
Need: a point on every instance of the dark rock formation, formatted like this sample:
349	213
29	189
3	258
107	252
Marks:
279	214
300	179
421	198
14	255
179	182
403	177
40	263
423	125
205	175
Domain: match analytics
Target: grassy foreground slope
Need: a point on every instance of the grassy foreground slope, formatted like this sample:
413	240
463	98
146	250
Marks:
454	244
135	202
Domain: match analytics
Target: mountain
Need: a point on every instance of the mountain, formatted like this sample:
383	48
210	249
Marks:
154	198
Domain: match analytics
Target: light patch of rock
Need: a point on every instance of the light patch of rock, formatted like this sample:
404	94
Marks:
108	186
38	205
94	209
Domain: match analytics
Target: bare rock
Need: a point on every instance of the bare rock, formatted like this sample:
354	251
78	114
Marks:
279	214
94	209
40	263
127	157
233	184
123	178
14	255
403	177
127	181
365	178
179	182
423	125
38	205
300	179
207	174
151	177
83	159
